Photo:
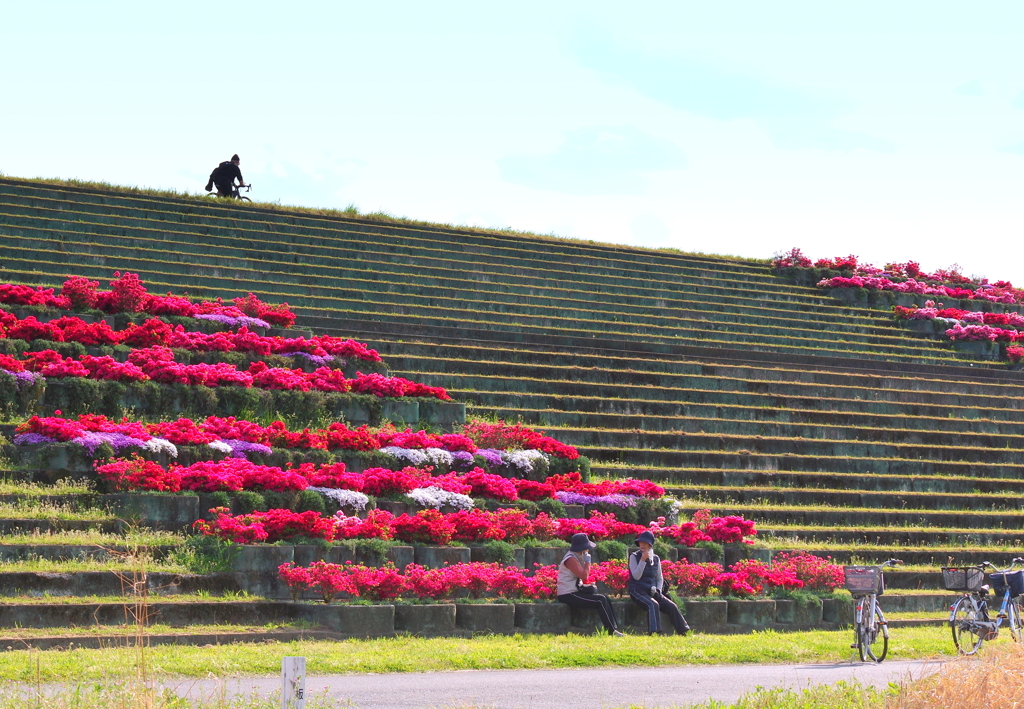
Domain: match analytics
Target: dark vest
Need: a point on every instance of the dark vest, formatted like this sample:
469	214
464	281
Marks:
643	585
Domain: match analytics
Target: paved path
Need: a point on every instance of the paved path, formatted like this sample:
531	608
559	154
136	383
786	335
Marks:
598	688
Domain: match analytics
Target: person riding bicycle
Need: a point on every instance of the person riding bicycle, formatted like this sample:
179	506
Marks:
224	176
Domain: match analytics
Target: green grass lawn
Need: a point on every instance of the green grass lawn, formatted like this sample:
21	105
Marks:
411	654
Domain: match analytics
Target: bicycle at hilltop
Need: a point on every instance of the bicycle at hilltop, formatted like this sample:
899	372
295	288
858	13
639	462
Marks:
969	618
866	584
235	193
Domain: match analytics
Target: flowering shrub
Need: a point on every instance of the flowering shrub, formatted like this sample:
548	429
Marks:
731	530
816	573
691	579
749	578
387	583
80	292
792	258
512	436
270	526
128	294
157	363
276	314
138	474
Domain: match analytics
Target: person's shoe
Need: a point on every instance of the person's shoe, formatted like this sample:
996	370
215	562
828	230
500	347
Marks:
617	634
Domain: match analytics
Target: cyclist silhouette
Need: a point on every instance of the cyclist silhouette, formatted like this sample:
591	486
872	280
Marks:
224	176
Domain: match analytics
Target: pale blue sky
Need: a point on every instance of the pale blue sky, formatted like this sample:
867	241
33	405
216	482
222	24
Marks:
890	130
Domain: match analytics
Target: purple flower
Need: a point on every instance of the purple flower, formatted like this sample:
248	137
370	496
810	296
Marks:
92	440
492	456
32	439
234	322
239	448
315	359
576	498
23	379
461	460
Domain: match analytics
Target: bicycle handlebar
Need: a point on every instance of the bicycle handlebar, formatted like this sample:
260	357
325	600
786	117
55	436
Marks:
988	564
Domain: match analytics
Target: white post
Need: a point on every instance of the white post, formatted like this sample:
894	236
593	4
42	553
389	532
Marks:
293	683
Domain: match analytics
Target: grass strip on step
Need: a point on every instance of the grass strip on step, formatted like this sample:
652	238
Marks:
13	634
413	654
125	565
61	487
140	537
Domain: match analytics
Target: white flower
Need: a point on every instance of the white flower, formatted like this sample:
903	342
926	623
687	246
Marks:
436	497
438	458
157	445
523	461
220	446
344	498
409	455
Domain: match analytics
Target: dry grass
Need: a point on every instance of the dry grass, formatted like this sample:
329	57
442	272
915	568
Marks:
992	679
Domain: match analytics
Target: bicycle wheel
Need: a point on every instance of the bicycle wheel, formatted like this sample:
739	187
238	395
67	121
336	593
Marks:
966	636
874	640
1013	610
244	198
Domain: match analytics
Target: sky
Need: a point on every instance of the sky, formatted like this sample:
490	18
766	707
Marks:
893	131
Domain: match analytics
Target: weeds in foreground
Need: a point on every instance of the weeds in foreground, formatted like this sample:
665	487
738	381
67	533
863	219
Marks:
995	678
135	695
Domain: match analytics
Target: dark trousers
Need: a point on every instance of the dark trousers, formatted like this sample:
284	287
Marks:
656	605
593	601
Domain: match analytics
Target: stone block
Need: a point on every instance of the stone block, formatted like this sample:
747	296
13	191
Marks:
545	556
806	613
575	512
478	554
694	555
400	410
436	557
355	620
263	559
544	617
756	614
706	615
837	610
306	554
739	552
165	512
486	617
443	414
430	619
402	556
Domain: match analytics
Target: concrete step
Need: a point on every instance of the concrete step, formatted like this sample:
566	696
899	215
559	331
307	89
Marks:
853	498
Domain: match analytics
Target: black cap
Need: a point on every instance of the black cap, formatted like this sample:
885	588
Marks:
235	157
581	542
646	536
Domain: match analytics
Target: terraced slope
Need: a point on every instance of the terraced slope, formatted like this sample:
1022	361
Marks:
739	390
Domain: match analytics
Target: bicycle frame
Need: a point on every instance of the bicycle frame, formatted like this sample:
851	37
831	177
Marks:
869	623
983	626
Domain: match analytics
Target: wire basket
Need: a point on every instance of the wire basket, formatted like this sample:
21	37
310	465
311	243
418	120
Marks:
1014	580
967	579
862	580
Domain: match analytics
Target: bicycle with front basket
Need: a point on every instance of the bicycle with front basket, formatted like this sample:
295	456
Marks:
235	193
866	584
969	618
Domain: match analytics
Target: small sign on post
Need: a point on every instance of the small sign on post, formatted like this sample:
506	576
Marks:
293	683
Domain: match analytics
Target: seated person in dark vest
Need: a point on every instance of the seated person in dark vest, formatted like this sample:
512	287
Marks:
572	575
645	584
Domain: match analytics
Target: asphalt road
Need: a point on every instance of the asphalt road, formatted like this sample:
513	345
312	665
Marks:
599	688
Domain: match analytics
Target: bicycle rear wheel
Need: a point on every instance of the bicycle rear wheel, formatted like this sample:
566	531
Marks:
874	637
966	635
